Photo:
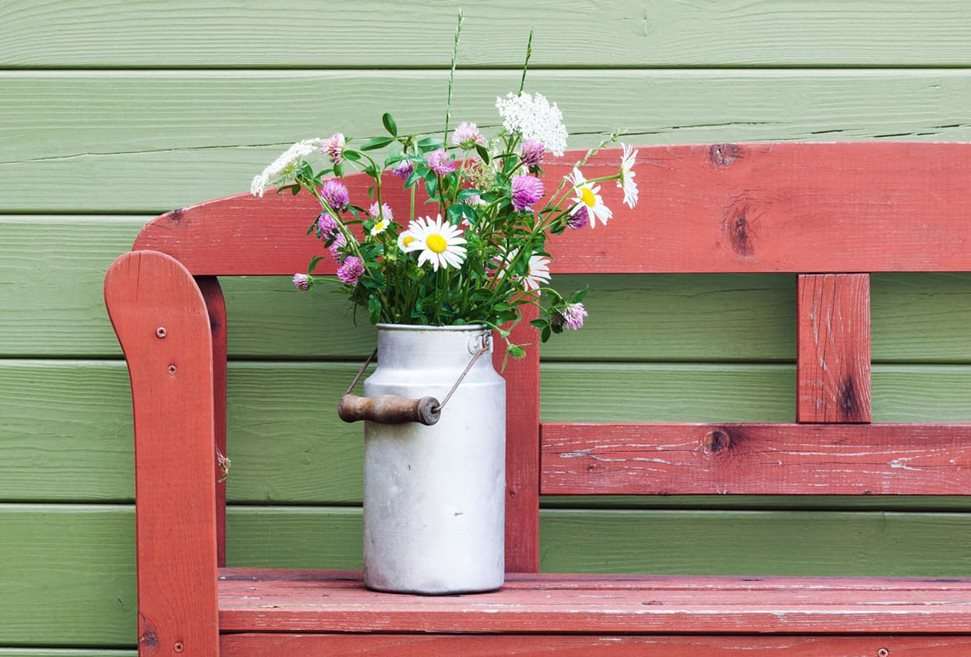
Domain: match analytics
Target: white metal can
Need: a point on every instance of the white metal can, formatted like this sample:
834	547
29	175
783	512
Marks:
434	496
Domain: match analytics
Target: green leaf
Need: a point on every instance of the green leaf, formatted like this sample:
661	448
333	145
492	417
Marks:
353	156
339	170
483	152
375	143
540	323
389	124
426	144
546	334
515	351
313	264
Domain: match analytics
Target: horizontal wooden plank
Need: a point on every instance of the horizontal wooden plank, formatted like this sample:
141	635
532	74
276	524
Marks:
161	139
68	570
411	645
57	310
66	652
727	33
756	459
66	433
712	209
551	604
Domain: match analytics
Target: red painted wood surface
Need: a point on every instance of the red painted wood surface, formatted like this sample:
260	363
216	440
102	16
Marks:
522	446
218	326
566	604
160	318
756	459
790	207
833	373
412	645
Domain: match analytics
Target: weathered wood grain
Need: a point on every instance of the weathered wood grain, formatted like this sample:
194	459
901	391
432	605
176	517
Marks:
410	645
833	366
66	430
522	445
725	33
160	317
744	208
85	553
165	139
543	606
756	459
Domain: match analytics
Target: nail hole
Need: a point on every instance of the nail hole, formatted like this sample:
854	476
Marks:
883	652
160	332
179	646
172	369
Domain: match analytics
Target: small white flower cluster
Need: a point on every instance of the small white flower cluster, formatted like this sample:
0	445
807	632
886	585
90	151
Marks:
535	118
284	166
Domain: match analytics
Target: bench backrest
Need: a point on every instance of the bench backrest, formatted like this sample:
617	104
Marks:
829	213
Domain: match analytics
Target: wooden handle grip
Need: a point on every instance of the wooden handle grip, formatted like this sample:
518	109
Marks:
389	409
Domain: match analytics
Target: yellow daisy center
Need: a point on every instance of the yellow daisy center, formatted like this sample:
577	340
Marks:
587	197
407	240
436	243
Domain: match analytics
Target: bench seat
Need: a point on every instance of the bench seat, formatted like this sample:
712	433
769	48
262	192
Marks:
318	601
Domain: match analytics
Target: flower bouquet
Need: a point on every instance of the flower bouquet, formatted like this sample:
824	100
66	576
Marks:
438	283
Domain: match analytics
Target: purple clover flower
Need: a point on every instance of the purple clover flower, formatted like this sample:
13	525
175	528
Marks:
573	316
467	135
439	162
532	152
334	147
338	243
403	169
336	195
578	219
526	190
301	281
385	210
350	270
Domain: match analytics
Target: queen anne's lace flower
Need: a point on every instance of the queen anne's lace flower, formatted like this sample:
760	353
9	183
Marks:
283	168
535	118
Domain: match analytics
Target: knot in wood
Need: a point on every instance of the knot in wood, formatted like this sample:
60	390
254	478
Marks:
717	440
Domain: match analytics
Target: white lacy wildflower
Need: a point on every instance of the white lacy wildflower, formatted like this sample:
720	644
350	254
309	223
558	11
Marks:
535	118
282	169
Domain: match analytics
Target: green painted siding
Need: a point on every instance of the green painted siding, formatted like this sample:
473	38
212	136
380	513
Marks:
110	112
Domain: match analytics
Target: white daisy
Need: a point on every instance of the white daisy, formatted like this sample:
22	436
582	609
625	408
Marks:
282	169
534	117
626	180
440	243
588	196
539	273
379	227
407	242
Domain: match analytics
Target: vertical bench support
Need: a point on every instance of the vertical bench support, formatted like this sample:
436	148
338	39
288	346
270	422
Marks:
833	379
522	447
218	327
160	318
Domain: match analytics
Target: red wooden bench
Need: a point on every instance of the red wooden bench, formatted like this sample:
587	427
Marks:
830	213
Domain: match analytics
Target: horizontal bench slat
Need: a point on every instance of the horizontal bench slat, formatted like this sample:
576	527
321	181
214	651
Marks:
307	604
829	207
756	459
498	645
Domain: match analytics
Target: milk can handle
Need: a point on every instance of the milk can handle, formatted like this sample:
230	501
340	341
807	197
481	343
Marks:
395	409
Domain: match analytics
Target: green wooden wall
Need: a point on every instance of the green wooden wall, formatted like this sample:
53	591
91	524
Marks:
113	111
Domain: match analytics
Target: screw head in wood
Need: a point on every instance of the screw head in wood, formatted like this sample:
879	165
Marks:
172	368
179	646
160	333
883	652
